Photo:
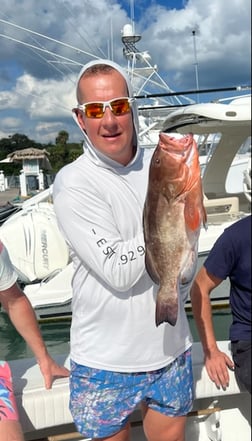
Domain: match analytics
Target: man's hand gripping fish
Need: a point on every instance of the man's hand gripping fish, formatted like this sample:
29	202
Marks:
173	214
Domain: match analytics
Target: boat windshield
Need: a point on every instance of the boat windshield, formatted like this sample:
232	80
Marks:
208	143
245	147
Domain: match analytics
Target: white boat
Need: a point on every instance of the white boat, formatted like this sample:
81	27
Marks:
223	133
217	415
229	125
7	210
40	256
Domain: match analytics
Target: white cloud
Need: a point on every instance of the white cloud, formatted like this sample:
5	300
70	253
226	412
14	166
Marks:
39	87
46	97
12	123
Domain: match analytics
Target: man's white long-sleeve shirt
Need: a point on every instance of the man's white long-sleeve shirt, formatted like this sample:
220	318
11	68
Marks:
99	205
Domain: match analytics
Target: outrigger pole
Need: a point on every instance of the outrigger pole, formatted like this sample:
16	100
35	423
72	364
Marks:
189	92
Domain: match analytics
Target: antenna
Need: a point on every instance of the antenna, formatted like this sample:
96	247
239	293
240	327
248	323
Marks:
195	60
132	15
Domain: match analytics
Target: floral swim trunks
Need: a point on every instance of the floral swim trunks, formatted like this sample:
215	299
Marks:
102	401
8	409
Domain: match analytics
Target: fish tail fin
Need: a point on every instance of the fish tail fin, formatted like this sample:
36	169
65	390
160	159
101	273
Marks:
166	311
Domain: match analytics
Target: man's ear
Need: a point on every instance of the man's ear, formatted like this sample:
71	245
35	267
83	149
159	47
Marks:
79	116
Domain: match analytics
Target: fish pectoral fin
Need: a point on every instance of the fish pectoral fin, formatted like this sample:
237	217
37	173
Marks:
167	310
192	217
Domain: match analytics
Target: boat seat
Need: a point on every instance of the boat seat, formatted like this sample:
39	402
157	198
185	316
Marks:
226	205
204	387
40	408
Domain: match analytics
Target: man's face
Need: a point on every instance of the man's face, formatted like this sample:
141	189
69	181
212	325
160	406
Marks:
112	135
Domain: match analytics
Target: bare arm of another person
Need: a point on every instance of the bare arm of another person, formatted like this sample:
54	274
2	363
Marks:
21	314
217	362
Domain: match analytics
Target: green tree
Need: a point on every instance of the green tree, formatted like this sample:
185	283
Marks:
62	138
63	152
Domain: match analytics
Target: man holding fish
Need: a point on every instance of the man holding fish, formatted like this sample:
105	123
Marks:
122	355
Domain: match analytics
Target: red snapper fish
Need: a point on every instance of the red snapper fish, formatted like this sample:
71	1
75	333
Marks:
172	218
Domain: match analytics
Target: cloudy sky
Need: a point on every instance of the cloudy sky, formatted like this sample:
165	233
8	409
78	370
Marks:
44	43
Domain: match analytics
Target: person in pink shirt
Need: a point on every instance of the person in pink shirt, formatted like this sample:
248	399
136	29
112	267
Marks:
21	313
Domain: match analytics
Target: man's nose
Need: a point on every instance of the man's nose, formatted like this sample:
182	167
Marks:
108	114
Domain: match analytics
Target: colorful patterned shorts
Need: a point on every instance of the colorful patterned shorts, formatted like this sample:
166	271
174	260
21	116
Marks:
8	409
102	401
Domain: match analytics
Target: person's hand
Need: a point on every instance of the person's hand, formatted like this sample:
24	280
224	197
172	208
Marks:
217	365
51	370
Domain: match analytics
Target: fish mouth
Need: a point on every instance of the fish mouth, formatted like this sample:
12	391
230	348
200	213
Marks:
172	151
170	144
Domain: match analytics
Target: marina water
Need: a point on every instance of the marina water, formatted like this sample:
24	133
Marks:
57	333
